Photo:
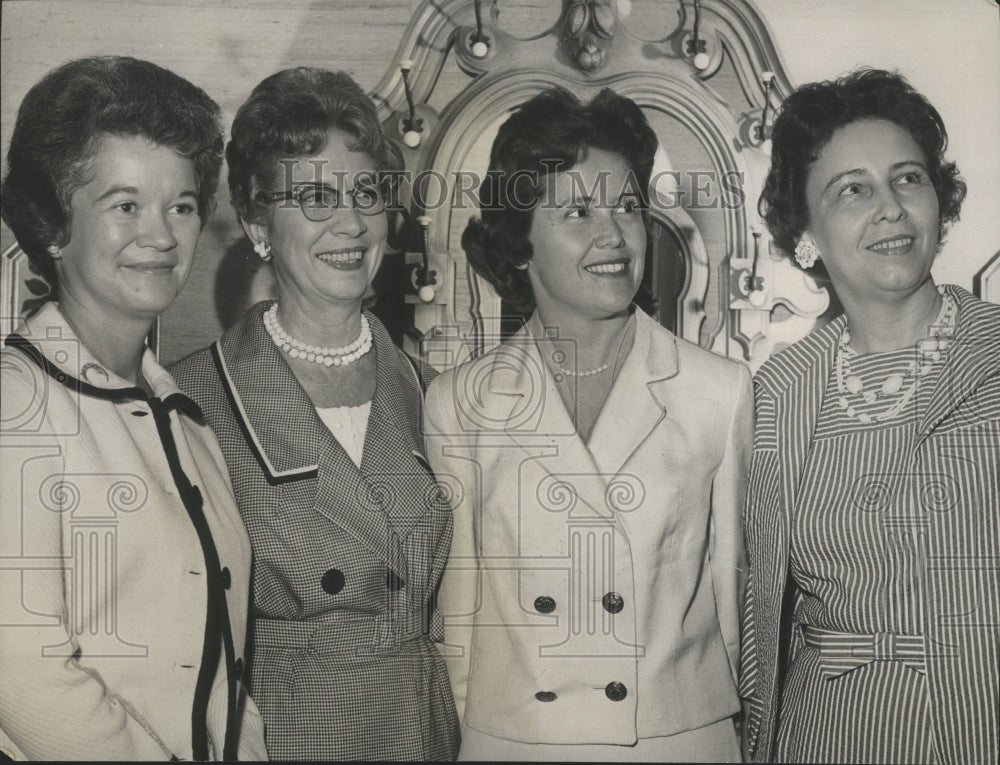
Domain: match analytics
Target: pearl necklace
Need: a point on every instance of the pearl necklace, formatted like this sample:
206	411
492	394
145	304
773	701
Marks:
848	383
585	373
331	357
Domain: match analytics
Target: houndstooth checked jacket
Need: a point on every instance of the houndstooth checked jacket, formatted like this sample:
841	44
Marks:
346	560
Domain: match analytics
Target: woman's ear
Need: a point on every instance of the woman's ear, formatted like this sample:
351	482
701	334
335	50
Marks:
256	232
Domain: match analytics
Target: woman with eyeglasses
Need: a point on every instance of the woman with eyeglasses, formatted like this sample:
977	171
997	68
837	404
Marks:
318	414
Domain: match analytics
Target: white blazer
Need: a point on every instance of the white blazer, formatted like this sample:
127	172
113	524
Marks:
105	579
592	593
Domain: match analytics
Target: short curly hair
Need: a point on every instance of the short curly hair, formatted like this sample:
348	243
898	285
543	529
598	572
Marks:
807	121
550	132
289	114
59	130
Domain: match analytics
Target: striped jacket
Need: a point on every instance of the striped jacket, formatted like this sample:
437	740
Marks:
958	437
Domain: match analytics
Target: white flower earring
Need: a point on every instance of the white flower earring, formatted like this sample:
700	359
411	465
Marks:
263	249
55	251
806	253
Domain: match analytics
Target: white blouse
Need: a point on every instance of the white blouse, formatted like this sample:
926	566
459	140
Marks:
348	425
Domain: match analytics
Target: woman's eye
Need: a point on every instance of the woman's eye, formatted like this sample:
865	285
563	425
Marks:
184	208
321	197
578	212
127	207
851	189
629	206
911	177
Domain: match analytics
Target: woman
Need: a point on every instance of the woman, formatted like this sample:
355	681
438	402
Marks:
318	415
597	466
871	629
123	610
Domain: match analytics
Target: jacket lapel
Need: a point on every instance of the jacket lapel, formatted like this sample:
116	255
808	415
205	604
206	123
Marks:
976	356
524	397
286	435
652	362
394	466
799	385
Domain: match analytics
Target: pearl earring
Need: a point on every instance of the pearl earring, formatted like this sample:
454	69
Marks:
806	253
263	249
55	251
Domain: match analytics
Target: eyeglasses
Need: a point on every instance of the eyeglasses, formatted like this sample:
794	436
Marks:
320	202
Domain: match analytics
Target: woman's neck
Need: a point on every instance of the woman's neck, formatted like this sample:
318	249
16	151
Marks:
117	343
334	323
594	341
879	325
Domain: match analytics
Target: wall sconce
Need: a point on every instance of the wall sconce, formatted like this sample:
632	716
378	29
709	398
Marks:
697	47
412	126
748	284
422	278
480	42
763	132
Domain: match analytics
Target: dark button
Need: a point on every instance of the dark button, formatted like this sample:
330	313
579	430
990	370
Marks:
227	579
239	667
545	696
333	581
544	604
394	581
139	413
615	691
613	602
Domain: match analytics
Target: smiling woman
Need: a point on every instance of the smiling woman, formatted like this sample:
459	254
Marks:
318	414
870	634
597	465
127	642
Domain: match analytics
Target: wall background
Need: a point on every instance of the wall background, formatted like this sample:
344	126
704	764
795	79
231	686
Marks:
949	51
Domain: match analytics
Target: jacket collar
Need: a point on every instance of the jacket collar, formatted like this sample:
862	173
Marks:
527	403
283	429
50	342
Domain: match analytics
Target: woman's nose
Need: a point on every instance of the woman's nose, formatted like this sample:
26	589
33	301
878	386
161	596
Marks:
888	206
156	232
610	236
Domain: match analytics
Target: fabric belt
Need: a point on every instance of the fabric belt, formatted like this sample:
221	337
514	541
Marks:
840	652
372	635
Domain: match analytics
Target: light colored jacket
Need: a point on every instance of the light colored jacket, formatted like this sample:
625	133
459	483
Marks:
107	573
592	594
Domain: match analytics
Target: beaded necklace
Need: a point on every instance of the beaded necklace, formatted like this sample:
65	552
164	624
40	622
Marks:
331	357
892	390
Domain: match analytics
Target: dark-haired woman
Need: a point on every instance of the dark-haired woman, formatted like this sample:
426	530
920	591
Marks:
318	414
123	609
597	466
872	628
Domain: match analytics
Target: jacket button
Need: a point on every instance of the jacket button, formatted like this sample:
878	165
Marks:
227	579
613	602
239	667
544	604
333	581
545	696
615	691
394	581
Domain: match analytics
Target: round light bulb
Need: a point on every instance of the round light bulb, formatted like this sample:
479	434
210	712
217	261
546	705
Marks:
406	64
701	61
757	298
411	138
480	49
426	293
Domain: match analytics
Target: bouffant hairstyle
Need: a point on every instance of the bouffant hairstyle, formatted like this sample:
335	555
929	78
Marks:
549	133
808	119
59	130
290	114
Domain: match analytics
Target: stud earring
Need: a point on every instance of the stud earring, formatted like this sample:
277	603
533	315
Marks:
521	266
806	253
55	251
263	249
